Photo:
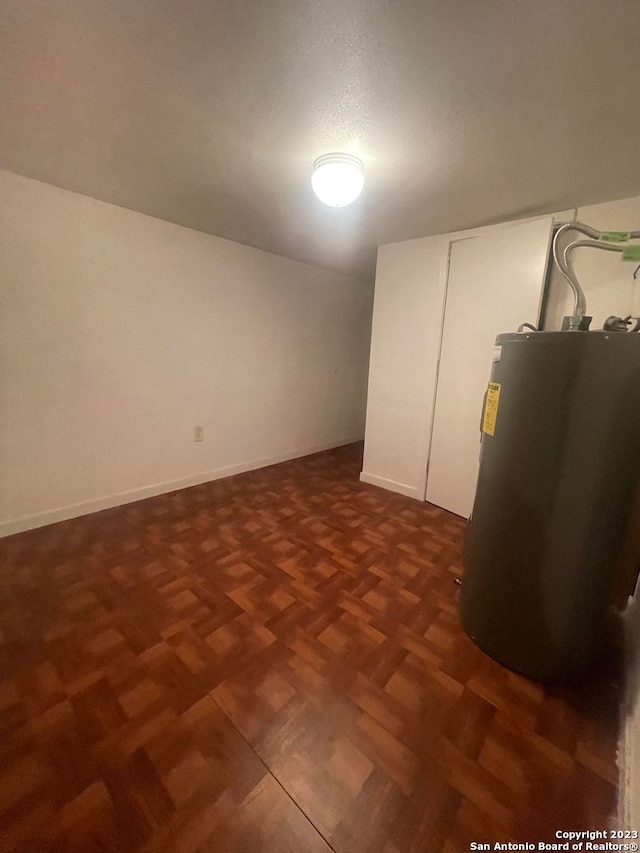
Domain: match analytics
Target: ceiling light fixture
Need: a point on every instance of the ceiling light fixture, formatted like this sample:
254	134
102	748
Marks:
337	179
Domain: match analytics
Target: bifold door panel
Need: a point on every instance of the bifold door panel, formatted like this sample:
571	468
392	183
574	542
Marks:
495	282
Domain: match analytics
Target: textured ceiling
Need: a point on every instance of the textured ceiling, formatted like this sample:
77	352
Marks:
209	113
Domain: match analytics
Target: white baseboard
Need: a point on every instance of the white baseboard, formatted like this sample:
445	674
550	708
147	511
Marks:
392	486
51	516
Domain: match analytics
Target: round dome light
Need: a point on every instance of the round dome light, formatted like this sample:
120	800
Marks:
337	179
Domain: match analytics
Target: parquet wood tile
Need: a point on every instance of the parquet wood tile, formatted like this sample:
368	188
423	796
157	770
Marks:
274	662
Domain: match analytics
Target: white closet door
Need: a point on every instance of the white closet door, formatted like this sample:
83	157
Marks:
495	282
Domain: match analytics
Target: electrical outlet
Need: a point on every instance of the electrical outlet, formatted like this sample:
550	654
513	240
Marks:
198	433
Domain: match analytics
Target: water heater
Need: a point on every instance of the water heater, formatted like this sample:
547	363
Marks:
560	463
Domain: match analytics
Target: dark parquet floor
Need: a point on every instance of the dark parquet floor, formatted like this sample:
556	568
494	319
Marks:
273	662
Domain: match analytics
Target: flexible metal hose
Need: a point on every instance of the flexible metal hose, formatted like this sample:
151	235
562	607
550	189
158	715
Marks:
581	306
580	300
565	267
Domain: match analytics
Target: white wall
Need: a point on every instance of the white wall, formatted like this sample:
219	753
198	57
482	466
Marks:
120	332
405	344
411	280
606	279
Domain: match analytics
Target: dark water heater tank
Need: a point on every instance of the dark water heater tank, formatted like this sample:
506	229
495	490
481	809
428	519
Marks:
560	463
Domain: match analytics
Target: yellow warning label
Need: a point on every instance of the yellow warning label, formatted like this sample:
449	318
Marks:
491	408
